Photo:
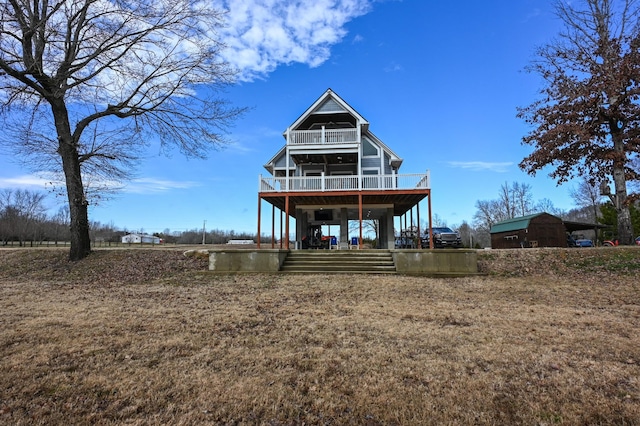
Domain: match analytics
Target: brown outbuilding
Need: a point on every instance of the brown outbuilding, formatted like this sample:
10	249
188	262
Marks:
536	230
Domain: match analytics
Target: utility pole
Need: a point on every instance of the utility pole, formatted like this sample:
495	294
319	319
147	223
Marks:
204	232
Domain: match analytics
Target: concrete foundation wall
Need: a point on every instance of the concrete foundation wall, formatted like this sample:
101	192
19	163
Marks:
246	260
434	262
409	262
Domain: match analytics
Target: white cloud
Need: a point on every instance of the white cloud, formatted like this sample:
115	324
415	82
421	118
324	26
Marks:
24	181
135	186
147	185
262	34
480	166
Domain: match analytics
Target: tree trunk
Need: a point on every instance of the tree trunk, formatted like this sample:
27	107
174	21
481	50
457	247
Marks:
625	231
78	205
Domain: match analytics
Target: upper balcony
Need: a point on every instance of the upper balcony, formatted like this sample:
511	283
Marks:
415	181
323	137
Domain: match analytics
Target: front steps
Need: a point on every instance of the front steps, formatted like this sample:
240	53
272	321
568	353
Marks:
339	262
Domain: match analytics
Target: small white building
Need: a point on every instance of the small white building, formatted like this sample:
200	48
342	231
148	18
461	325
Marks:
141	238
241	242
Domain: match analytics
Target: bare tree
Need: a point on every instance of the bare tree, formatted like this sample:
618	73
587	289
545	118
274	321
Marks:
108	77
513	200
545	205
522	198
60	224
21	212
466	234
587	121
507	203
488	213
437	221
587	195
369	226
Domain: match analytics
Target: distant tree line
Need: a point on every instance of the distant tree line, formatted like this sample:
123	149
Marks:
214	236
24	222
24	219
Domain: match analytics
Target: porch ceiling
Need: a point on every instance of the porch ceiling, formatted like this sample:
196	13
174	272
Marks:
403	201
326	158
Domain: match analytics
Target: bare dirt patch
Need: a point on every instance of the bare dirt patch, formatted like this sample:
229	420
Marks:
100	342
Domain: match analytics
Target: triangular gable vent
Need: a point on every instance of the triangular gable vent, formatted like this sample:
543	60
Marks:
330	105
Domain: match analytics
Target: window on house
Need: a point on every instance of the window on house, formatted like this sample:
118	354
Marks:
369	149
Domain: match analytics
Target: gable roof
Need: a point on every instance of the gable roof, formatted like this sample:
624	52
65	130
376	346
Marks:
516	224
393	157
271	163
330	102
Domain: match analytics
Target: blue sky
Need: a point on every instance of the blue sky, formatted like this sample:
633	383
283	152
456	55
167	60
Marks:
439	83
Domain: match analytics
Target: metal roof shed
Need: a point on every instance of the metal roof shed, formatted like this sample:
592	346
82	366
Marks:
536	230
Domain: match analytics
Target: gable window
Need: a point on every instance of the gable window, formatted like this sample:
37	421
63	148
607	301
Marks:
369	149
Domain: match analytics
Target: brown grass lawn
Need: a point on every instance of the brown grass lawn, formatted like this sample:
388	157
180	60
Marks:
143	337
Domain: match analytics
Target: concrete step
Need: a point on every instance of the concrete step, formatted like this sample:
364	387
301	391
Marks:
339	261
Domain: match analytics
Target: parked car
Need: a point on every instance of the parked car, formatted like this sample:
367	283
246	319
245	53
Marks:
638	241
571	242
584	243
442	237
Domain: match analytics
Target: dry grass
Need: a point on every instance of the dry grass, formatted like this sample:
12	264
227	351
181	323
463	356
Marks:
174	346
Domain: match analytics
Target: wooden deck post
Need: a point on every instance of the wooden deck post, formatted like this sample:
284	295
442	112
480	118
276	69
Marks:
360	218
281	229
411	218
419	238
259	204
430	227
273	225
286	207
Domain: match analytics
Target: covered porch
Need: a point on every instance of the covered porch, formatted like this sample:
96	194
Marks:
320	201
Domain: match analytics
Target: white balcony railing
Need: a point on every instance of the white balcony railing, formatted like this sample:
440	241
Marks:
344	183
323	137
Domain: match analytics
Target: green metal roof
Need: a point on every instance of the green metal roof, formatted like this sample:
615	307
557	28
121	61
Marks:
514	224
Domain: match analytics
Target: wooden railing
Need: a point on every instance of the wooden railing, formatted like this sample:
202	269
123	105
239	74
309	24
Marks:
344	183
323	137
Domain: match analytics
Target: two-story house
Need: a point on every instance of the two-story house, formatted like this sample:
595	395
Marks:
332	170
